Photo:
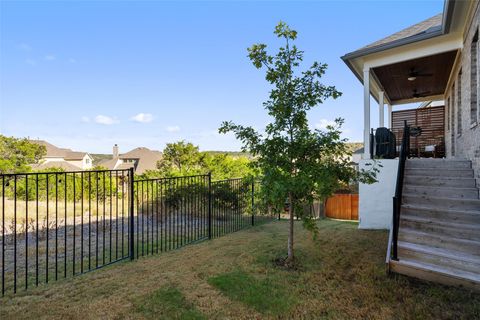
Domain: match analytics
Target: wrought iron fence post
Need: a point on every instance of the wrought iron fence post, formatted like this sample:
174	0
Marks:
253	202
209	205
131	214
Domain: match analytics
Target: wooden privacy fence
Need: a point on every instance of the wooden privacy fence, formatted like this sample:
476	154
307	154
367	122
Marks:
342	206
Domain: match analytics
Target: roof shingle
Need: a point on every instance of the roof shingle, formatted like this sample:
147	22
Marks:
427	26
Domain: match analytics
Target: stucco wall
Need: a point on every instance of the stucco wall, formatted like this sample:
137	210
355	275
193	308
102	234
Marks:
375	200
467	141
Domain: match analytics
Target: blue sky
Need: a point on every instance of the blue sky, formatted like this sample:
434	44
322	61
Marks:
86	75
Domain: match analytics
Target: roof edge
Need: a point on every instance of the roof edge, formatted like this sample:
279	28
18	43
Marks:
393	44
447	15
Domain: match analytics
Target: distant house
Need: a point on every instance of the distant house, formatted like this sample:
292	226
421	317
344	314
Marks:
141	159
66	159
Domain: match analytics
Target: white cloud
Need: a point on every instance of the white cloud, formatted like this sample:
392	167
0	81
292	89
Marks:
324	123
172	128
50	57
85	119
143	117
31	62
106	120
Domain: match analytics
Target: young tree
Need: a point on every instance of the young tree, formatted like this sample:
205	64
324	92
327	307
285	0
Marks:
298	163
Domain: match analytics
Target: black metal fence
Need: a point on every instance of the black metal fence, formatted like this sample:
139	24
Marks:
61	224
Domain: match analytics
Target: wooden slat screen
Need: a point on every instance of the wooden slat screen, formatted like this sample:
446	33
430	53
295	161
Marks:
432	122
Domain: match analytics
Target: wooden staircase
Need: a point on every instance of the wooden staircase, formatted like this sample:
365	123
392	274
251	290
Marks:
439	230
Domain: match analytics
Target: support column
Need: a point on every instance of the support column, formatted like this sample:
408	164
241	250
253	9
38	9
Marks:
389	116
381	109
366	113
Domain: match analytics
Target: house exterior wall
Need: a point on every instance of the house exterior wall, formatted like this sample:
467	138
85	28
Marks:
87	162
462	138
375	208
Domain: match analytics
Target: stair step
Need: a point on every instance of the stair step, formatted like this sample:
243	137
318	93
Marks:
438	163
441	202
425	180
440	241
438	256
441	227
435	273
461	172
440	213
462	193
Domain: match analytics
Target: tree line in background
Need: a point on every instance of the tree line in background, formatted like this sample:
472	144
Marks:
185	159
179	159
17	155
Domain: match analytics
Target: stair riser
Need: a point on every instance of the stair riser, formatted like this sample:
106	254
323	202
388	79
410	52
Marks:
442	192
439	182
433	276
472	248
424	164
438	260
469	234
466	173
460	204
447	216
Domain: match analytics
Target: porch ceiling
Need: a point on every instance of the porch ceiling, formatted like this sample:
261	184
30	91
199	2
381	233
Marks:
435	70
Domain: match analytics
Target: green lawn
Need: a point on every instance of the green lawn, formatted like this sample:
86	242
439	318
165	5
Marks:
341	276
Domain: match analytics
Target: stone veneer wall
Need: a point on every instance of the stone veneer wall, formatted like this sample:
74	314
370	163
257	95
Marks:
467	143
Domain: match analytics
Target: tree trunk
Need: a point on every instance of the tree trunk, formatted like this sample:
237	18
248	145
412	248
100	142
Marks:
290	256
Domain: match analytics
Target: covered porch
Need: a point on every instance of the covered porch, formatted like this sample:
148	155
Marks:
413	66
395	83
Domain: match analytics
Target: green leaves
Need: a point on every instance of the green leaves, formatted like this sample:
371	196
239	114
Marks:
282	30
16	155
184	158
258	55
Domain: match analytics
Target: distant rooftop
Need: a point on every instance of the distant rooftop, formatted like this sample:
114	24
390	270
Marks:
56	152
146	159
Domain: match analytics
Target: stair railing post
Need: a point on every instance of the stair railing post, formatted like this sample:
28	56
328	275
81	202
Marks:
253	202
209	205
131	214
395	229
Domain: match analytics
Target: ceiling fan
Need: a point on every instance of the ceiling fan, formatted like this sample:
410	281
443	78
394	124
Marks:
417	94
413	74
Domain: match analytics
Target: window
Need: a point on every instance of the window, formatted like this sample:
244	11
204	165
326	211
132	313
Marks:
459	103
474	80
87	161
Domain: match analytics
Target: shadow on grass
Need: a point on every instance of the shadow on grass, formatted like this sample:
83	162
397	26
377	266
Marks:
167	303
266	295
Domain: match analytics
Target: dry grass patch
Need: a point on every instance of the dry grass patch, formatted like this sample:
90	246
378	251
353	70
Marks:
341	276
167	303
